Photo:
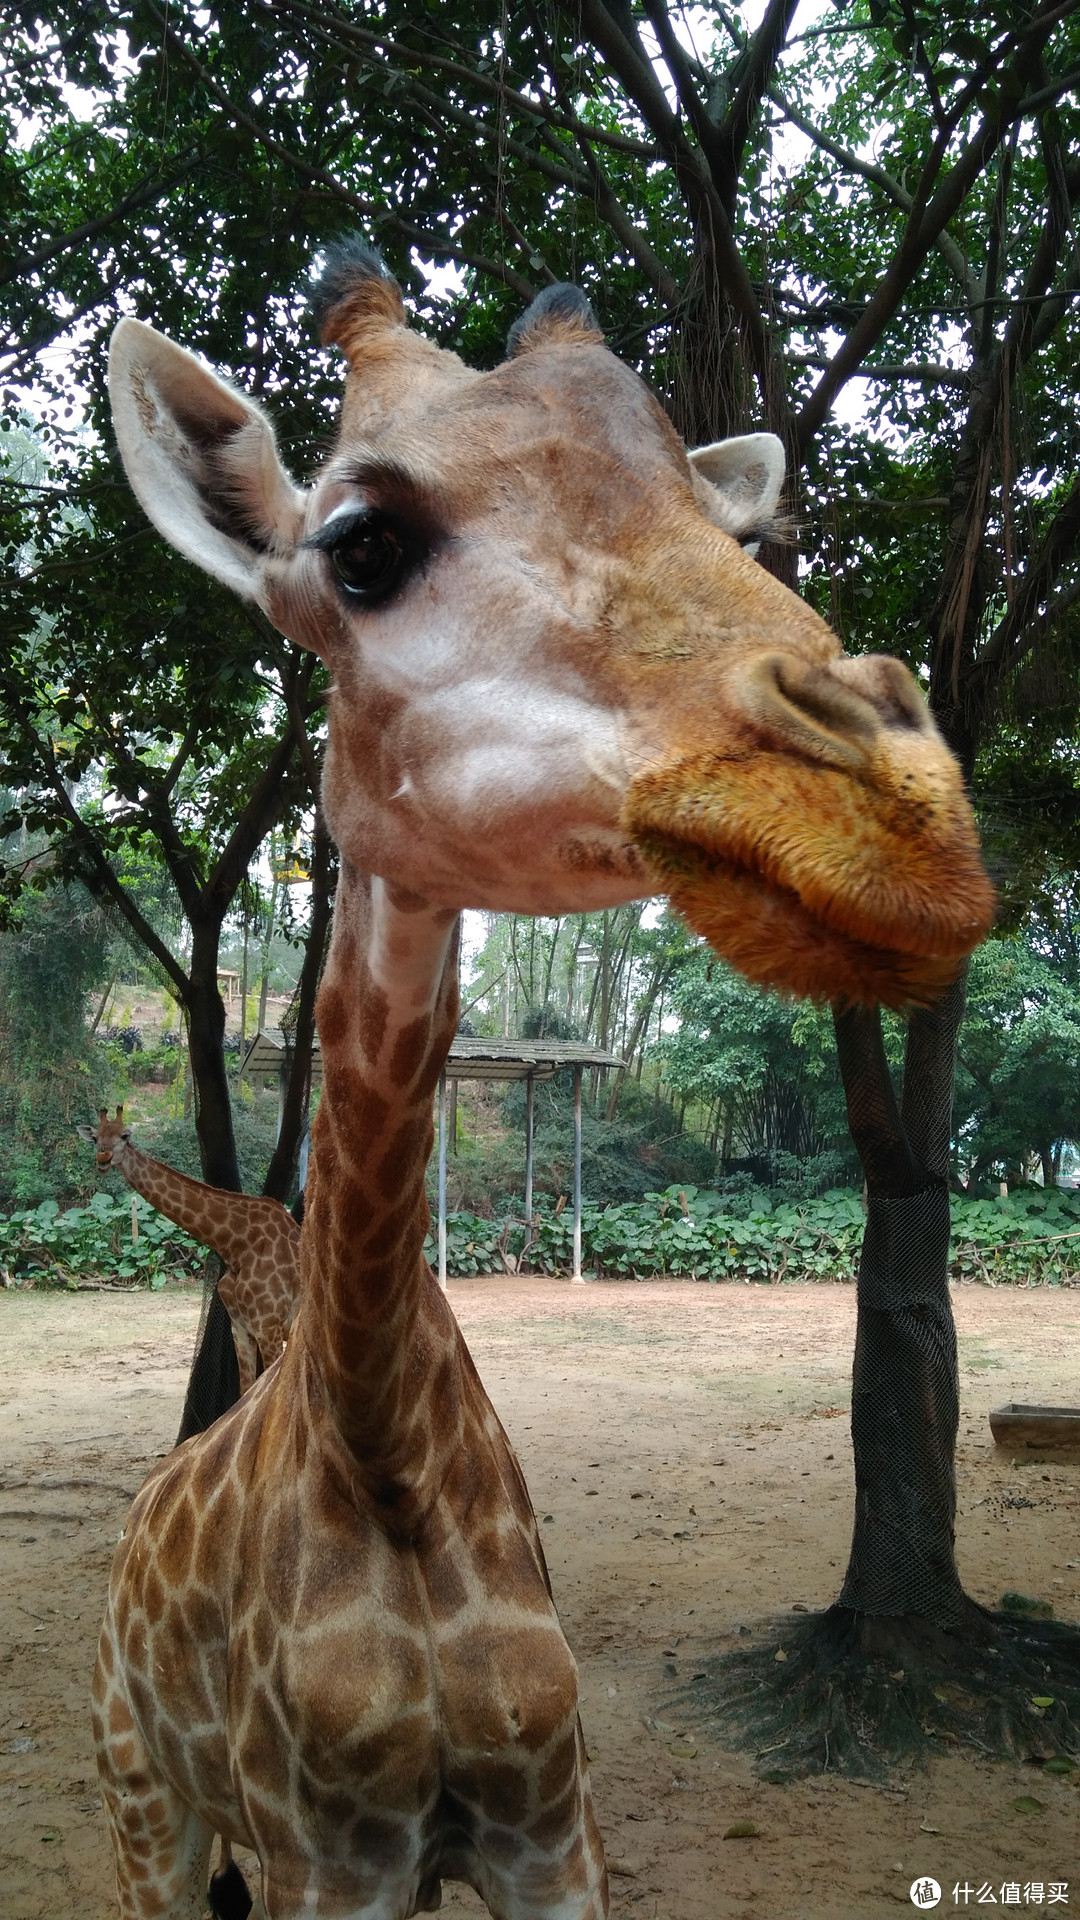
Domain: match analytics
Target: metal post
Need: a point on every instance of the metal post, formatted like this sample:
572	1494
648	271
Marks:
576	1276
528	1166
442	1180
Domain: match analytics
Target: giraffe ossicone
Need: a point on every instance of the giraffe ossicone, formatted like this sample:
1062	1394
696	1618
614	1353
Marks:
557	683
256	1237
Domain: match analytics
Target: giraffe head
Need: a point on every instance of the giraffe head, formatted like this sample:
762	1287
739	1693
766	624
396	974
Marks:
560	679
107	1135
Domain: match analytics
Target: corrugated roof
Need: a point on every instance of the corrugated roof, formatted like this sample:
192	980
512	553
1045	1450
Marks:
484	1059
469	1059
267	1054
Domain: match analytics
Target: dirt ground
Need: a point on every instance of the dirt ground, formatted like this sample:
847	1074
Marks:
687	1451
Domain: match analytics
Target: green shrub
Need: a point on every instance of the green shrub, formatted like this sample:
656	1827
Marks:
1030	1238
45	1246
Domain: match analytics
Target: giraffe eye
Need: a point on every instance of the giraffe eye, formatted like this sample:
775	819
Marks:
369	564
367	553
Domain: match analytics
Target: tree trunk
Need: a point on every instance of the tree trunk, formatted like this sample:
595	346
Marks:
206	1034
712	394
268	936
294	1109
904	1655
244	977
905	1388
214	1381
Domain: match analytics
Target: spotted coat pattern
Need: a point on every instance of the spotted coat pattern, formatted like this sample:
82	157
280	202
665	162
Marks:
257	1239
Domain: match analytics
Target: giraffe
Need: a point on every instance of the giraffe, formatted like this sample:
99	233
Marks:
255	1237
557	683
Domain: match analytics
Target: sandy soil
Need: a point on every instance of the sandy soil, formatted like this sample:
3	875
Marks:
686	1448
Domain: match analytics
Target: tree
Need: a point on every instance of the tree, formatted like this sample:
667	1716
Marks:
51	953
1018	1080
764	1068
143	718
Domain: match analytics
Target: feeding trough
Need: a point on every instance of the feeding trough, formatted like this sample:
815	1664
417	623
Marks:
1016	1425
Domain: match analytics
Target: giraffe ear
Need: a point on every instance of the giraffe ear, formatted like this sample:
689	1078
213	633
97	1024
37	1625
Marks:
87	1133
201	459
560	316
738	484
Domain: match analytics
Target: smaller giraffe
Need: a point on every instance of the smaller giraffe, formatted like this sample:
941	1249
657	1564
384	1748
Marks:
255	1237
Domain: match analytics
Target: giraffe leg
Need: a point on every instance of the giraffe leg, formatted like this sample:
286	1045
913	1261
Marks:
271	1346
229	1896
161	1847
247	1353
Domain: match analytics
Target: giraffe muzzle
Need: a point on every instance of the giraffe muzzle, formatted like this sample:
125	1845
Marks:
849	873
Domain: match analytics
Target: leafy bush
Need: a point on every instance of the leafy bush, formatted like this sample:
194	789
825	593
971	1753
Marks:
622	1159
45	1245
1029	1238
160	1062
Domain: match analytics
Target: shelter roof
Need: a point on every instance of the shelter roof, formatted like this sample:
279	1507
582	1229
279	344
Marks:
469	1059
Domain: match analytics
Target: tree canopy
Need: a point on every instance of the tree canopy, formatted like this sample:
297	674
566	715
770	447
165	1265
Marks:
853	224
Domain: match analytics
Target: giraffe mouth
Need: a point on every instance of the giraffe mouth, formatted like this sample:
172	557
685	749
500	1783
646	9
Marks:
767	934
814	884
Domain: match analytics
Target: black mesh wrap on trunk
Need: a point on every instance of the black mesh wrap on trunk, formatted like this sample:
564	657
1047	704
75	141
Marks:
905	1405
904	1415
214	1382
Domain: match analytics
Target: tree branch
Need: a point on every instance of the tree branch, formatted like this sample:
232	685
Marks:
101	879
367	209
607	204
150	190
1021	624
1033	326
690	100
996	235
261	809
346	31
970	283
928	375
924	225
762	56
622	49
930	215
924	66
439	112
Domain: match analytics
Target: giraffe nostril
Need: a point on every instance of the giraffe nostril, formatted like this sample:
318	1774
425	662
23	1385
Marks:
806	708
888	688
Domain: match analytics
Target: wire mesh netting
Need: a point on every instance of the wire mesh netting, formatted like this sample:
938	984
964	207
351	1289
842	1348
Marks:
904	1415
905	1384
214	1381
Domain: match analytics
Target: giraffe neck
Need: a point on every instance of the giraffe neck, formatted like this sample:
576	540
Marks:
204	1212
374	1321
